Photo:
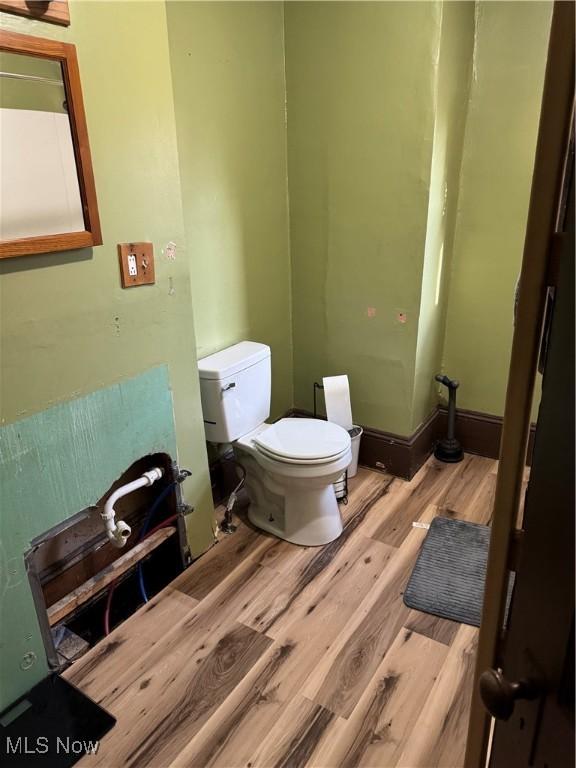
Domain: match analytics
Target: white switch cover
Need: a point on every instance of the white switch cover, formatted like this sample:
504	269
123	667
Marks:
132	266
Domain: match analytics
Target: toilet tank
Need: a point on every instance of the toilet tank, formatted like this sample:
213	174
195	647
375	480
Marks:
235	390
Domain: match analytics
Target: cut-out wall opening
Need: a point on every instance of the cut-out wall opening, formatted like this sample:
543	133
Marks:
73	567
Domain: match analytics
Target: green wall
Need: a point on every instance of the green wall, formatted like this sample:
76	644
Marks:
498	158
67	328
453	71
360	93
229	89
411	135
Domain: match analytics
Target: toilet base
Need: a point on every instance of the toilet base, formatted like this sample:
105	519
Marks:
308	516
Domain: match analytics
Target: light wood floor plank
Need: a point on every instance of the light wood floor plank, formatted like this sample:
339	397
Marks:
439	735
442	630
428	487
226	602
97	671
479	510
299	738
370	500
281	556
458	495
253	708
376	732
208	571
346	669
344	574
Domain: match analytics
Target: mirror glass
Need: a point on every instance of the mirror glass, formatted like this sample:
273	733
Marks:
39	189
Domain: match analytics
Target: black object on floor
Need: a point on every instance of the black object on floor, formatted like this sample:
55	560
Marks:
449	449
52	726
449	575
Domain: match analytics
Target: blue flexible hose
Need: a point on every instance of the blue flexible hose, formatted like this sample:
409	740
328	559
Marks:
159	499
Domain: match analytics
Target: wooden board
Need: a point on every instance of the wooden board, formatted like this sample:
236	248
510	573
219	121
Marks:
439	735
340	679
105	577
54	11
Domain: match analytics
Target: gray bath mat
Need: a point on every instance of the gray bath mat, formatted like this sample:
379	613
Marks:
448	578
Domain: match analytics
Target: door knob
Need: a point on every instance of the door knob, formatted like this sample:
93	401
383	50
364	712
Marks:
499	695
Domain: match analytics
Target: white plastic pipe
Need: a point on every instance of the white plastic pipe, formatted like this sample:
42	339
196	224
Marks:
118	531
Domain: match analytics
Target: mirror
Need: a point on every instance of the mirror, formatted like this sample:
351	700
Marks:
47	194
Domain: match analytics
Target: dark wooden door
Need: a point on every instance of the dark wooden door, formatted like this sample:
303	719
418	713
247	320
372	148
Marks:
535	643
539	644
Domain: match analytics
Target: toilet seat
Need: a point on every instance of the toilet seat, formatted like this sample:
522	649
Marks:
303	441
302	462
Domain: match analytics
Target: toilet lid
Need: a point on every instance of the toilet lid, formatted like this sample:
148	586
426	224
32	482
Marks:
301	462
303	439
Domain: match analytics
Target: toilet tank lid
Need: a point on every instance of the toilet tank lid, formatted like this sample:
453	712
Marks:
233	359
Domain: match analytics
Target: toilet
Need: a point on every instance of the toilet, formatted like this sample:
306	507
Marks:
290	465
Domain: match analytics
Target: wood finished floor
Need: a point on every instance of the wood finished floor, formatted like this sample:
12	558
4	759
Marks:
267	654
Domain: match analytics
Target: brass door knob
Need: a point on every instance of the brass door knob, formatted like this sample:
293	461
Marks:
499	695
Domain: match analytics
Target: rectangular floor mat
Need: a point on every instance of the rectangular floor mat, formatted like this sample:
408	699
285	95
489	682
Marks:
449	575
52	726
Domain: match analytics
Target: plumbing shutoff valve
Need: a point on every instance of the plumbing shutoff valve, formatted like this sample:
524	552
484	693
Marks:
119	531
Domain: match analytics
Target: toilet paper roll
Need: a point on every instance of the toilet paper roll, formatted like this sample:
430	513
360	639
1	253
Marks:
337	399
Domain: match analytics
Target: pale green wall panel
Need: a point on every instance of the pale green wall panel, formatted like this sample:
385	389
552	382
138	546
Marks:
453	72
360	94
498	158
52	465
67	327
229	89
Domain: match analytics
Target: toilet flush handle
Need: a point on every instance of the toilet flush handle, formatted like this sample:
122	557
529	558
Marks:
229	386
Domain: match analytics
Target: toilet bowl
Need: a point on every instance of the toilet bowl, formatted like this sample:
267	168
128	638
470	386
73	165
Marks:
291	492
290	465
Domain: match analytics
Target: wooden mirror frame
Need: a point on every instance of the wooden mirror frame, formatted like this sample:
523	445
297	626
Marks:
53	11
65	53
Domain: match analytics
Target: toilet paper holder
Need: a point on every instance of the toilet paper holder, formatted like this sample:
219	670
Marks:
316	387
341	485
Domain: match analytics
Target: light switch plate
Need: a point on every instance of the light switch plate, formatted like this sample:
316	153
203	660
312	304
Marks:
136	264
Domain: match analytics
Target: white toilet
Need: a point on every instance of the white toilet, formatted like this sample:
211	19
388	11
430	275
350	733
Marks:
290	465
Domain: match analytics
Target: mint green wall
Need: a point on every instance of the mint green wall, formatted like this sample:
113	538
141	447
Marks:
453	71
229	90
360	94
498	158
67	328
55	464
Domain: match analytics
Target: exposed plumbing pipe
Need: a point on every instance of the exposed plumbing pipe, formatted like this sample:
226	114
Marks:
118	531
227	526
